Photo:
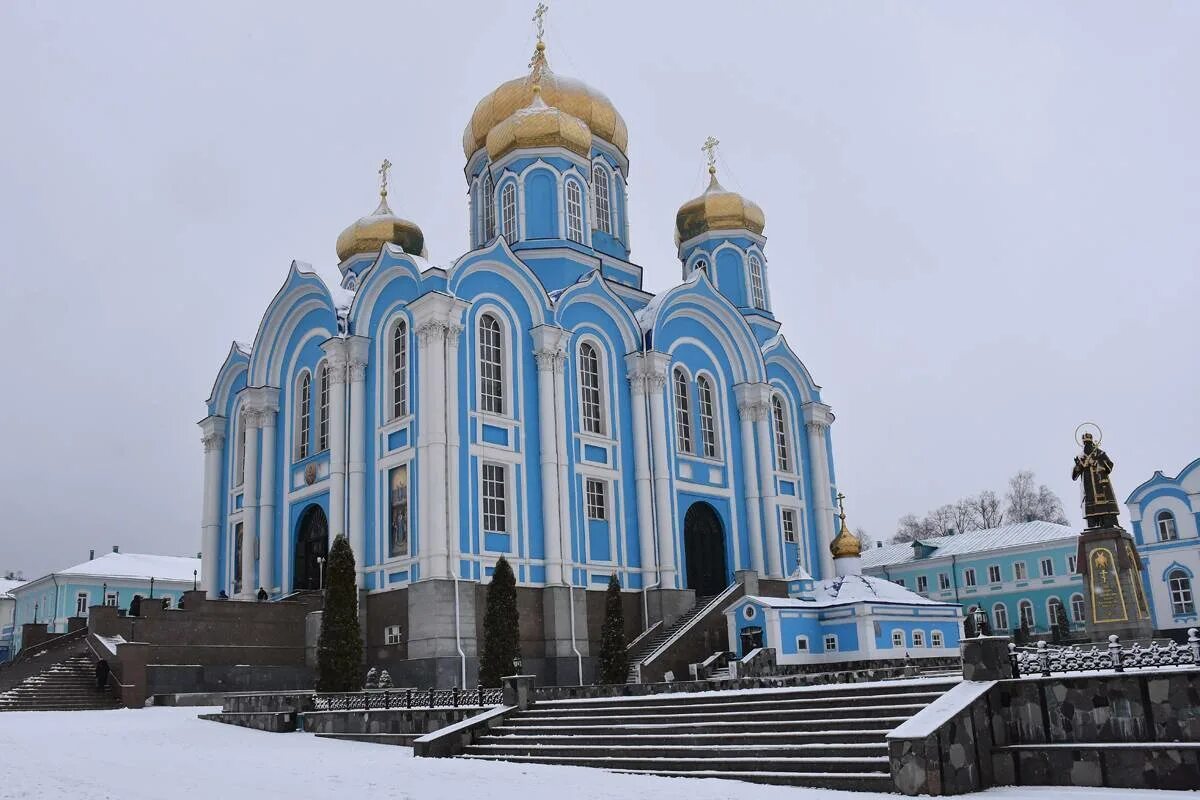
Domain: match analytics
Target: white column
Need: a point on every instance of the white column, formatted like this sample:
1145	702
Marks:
643	490
358	349
268	412
770	495
563	471
213	429
750	411
548	461
335	351
656	382
249	501
817	418
432	337
454	333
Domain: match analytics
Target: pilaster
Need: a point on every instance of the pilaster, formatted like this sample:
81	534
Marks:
335	362
251	422
212	429
635	369
752	403
268	409
656	365
357	353
817	419
550	355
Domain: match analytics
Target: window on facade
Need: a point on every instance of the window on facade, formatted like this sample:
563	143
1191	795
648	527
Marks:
1000	617
1019	571
323	408
899	581
489	208
303	415
897	638
1167	532
922	583
969	576
1072	564
802	644
1077	608
1025	609
508	212
597	505
589	389
789	525
1055	610
239	470
400	370
918	638
495	507
574	212
110	599
783	456
943	581
1047	567
391	634
683	414
757	293
237	558
1180	587
81	604
708	429
700	264
936	639
491	365
994	573
831	643
601	199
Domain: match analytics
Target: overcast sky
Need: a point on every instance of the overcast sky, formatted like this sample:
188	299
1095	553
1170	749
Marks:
981	218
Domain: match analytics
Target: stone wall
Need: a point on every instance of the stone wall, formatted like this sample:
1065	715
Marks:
390	721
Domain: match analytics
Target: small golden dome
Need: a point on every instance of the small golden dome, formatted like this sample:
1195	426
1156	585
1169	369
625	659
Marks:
717	209
845	544
370	233
576	98
539	125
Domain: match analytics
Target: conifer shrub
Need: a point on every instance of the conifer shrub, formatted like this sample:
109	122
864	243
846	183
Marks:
340	649
501	627
614	668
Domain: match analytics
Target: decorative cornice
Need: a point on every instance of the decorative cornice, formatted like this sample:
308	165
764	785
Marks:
337	371
817	415
753	410
356	371
213	442
433	332
550	359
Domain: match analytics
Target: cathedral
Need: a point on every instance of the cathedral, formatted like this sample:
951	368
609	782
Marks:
530	400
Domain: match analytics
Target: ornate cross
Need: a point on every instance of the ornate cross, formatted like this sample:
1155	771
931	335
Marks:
841	507
383	175
539	20
710	150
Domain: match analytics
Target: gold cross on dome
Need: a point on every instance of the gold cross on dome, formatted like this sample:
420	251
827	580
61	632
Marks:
710	150
383	176
539	20
841	507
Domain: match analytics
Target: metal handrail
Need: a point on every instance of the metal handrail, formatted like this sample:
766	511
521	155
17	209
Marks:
730	589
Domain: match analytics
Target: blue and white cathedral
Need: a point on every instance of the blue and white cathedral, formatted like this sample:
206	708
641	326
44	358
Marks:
530	400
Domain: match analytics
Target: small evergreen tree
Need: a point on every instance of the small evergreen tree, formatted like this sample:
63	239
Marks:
1061	622
613	666
501	627
340	650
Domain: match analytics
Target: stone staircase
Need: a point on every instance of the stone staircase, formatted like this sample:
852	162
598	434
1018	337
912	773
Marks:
651	643
69	685
830	736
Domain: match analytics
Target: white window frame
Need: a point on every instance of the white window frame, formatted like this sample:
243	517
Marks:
1179	589
918	638
488	210
706	405
969	576
1000	617
1168	529
801	644
573	203
398	361
323	398
509	220
602	199
936	639
898	638
830	643
494	507
922	583
1020	571
943	581
1072	564
239	463
1046	566
1022	605
1050	615
994	575
681	391
758	287
111	599
1078	610
493	390
788	525
595	492
899	582
82	601
392	635
303	415
782	431
591	389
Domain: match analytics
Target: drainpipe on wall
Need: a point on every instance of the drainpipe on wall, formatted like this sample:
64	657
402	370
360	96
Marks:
954	576
462	656
578	655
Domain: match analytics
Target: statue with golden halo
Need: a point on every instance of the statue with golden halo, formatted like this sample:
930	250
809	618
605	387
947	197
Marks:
1092	468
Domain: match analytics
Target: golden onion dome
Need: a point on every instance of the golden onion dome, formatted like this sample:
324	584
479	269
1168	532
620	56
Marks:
573	97
368	234
717	209
539	125
845	544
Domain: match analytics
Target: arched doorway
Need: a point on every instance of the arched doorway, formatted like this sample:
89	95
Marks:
704	550
312	547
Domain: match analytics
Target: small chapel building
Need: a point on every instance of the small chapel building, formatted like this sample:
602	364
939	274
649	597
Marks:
529	400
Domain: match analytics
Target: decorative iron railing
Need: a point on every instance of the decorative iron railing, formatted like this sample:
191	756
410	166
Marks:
1048	659
386	699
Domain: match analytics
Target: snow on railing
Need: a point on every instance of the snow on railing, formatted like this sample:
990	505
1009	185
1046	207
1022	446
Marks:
385	699
1045	659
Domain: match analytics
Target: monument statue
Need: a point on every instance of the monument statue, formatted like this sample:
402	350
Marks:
1092	468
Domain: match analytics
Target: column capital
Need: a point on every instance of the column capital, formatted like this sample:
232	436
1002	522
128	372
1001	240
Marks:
654	369
263	399
212	432
753	400
817	416
440	308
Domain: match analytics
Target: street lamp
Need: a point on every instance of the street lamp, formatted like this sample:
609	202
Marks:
194	574
320	572
981	622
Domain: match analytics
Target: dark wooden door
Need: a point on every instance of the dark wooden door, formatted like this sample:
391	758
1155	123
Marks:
704	550
312	548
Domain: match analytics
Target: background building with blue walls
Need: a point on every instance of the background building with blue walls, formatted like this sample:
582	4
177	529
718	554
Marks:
8	605
529	400
1164	513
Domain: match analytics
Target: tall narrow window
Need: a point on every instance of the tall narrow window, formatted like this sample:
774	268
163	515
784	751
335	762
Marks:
758	294
783	458
1055	610
574	212
1180	586
708	429
240	466
323	408
597	504
491	365
303	415
488	199
601	199
508	211
81	604
589	389
237	558
1077	608
1026	610
683	414
400	370
1167	532
789	525
1000	617
495	505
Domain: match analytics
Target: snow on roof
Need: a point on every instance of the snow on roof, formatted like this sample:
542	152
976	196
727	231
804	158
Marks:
852	589
7	586
138	565
1022	533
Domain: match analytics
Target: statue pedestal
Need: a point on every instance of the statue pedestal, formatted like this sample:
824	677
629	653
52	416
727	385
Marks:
1113	592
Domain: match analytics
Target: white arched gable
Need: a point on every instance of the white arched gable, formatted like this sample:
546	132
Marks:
236	362
372	285
595	290
778	351
302	292
519	275
745	366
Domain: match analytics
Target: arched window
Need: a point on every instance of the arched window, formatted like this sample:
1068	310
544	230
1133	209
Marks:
708	428
1077	608
758	294
936	639
400	370
601	199
323	408
1000	617
491	365
1025	609
897	638
1055	610
701	265
1167	532
683	414
303	415
488	199
589	389
239	469
1180	587
783	457
574	212
508	211
918	638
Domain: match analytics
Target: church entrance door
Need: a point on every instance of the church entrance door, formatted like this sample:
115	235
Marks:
312	548
704	550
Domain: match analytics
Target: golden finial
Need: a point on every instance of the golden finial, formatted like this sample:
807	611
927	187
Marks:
710	150
539	22
383	176
841	507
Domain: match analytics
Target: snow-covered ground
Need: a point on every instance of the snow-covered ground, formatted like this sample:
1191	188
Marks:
163	753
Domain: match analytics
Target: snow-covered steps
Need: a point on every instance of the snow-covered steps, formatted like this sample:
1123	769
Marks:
69	685
402	739
830	736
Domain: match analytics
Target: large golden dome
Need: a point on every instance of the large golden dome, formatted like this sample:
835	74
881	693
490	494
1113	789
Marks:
574	97
539	125
369	233
717	209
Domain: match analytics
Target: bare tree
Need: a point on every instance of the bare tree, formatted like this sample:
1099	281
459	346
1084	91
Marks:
988	510
966	515
864	537
1027	502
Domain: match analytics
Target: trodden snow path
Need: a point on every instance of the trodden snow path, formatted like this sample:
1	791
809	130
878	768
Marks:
157	753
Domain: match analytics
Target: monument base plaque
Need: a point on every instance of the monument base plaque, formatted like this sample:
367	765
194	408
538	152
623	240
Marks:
1113	592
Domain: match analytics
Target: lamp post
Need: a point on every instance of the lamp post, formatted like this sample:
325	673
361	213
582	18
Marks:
152	588
981	622
320	572
195	573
